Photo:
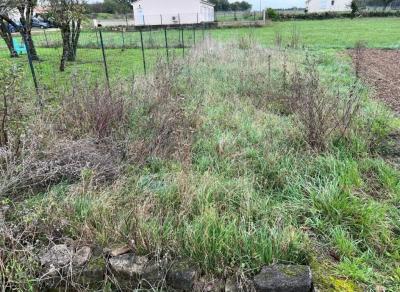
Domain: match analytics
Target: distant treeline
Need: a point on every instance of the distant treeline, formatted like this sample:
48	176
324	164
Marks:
110	6
384	4
224	5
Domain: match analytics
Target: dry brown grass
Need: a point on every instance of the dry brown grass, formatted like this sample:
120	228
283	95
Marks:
167	129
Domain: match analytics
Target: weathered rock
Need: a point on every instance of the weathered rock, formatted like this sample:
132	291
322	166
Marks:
231	285
58	256
153	275
81	256
182	277
284	278
129	265
216	285
93	273
130	270
120	250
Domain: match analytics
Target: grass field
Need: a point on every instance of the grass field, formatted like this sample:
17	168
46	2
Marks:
240	155
333	33
323	35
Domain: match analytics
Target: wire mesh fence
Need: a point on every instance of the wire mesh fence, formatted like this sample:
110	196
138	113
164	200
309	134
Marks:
111	55
106	55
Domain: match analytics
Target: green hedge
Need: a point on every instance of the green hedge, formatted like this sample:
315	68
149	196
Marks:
329	15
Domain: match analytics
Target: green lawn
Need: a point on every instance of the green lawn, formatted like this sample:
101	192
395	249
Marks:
121	64
334	33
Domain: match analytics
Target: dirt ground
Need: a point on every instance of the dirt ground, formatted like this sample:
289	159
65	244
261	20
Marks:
381	69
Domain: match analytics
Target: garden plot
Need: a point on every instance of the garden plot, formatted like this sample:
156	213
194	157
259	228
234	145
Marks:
380	69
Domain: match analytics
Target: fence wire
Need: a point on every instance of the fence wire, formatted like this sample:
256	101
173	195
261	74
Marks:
106	55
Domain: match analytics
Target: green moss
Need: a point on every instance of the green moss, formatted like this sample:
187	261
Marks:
342	285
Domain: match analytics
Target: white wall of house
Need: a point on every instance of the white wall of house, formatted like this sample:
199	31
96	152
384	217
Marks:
317	6
166	12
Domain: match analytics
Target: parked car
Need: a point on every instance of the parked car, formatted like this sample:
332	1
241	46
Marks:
40	23
13	29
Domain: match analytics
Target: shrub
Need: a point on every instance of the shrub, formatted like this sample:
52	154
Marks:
272	14
322	113
37	169
11	108
95	112
354	8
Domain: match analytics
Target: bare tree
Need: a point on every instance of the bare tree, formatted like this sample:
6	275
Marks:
4	28
25	9
7	37
68	16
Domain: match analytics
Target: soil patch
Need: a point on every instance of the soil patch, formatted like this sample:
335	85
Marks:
381	69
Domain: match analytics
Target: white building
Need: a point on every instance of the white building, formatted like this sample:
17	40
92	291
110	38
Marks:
166	12
319	6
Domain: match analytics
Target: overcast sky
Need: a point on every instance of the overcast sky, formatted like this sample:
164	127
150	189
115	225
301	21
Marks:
275	3
264	3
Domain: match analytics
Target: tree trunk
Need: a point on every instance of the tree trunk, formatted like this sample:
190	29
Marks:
66	35
26	13
74	39
7	37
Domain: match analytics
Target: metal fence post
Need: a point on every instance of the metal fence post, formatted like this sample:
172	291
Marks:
143	55
104	59
194	35
123	38
28	53
183	42
97	39
166	43
45	36
269	69
150	45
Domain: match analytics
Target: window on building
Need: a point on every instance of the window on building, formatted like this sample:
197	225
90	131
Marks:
333	2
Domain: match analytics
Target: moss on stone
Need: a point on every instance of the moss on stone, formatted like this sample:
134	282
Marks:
337	284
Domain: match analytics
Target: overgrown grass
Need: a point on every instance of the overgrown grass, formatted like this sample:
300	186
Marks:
219	172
